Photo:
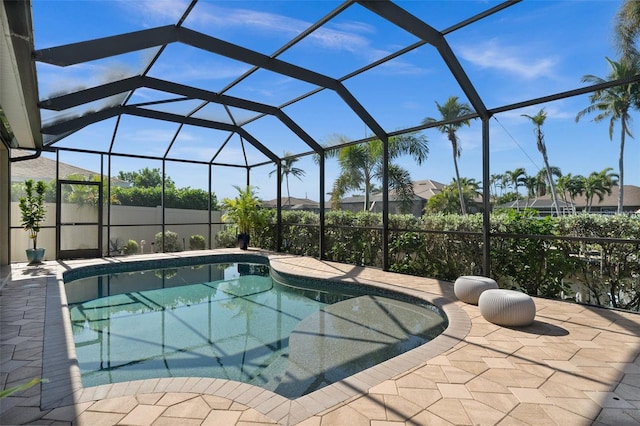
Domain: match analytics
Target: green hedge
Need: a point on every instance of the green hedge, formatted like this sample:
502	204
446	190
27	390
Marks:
547	266
182	198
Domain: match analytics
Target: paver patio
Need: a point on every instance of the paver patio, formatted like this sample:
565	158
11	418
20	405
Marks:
575	365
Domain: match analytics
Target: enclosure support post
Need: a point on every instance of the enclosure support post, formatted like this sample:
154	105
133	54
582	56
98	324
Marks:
209	208
164	178
279	208
486	205
385	203
321	212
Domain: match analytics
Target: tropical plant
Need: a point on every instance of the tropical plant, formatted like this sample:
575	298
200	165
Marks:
452	110
614	104
362	164
287	168
244	210
543	181
516	177
598	184
538	120
571	185
32	208
627	28
531	184
495	184
447	201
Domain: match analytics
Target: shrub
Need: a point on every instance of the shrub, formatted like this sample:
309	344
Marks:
531	256
131	247
196	242
228	237
171	243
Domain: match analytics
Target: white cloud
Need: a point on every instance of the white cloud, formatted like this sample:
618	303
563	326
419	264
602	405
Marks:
491	54
154	12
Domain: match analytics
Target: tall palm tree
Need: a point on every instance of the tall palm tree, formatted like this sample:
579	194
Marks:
538	121
361	165
627	28
287	168
495	183
614	104
451	110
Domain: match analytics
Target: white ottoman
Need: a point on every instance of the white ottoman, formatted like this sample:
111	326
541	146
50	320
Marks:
468	288
507	307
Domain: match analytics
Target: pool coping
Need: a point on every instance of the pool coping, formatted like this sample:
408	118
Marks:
65	388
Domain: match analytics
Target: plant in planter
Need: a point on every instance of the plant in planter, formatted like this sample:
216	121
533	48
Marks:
245	212
33	213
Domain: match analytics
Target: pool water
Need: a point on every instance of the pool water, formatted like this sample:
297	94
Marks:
234	321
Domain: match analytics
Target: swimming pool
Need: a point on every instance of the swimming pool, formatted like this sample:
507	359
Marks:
238	321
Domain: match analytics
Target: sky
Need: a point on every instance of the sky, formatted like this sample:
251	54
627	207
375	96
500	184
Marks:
529	50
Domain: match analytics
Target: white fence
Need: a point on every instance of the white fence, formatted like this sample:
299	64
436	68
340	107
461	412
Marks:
146	221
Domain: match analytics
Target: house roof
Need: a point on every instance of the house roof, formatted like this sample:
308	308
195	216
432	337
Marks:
43	168
534	203
296	203
423	190
631	197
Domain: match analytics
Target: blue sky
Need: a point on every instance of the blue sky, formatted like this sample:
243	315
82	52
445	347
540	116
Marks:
532	49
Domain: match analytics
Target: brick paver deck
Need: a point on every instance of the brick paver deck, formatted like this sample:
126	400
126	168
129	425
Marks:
575	365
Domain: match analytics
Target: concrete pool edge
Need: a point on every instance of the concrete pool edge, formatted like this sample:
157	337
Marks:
65	387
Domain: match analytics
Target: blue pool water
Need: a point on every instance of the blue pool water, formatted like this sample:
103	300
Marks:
236	321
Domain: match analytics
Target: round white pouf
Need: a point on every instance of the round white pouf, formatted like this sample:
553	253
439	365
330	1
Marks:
468	288
507	307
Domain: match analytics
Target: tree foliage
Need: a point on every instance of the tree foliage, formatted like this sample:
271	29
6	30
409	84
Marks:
361	166
146	178
453	110
614	104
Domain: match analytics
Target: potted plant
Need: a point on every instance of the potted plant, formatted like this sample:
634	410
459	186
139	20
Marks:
33	213
245	212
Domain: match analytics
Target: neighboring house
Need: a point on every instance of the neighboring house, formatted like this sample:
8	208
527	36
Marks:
608	205
292	203
43	168
423	190
544	205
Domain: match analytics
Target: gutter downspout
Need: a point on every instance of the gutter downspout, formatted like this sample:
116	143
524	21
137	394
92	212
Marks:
27	157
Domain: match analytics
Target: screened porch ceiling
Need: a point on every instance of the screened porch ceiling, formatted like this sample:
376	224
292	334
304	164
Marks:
206	80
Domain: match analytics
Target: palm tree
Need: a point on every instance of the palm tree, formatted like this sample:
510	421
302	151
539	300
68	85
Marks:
361	165
287	169
538	121
598	183
451	110
571	185
614	104
516	177
627	28
531	183
495	183
543	186
447	201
